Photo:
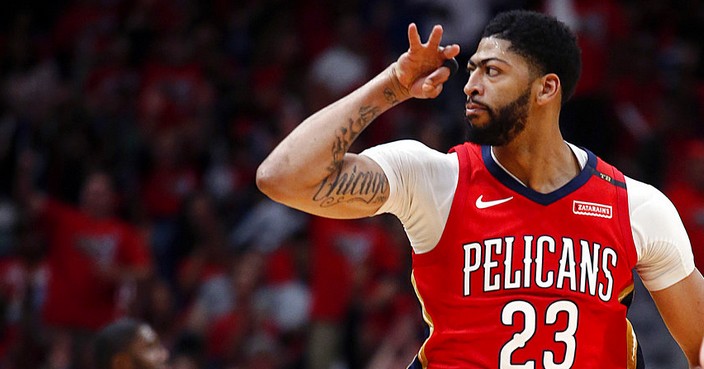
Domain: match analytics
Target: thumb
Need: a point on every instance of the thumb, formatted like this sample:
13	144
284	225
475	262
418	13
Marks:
433	83
430	90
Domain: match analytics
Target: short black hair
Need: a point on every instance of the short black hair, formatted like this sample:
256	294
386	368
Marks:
548	44
113	339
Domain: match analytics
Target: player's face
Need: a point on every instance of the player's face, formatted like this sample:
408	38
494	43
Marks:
504	123
147	351
498	93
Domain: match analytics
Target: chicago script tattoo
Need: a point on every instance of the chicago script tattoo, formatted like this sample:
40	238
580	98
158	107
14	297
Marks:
351	186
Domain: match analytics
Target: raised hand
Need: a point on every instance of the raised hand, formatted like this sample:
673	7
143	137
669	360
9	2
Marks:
419	71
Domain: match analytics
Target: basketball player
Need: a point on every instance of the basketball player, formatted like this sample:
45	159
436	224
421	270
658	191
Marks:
127	344
523	244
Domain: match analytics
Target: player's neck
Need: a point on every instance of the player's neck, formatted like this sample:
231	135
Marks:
543	162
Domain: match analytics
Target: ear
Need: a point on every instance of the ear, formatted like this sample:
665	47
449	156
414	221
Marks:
549	89
121	361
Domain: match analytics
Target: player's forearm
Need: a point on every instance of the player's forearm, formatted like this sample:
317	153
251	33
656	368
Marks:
316	148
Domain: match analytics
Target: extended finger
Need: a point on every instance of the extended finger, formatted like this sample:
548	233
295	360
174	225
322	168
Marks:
413	36
451	51
435	37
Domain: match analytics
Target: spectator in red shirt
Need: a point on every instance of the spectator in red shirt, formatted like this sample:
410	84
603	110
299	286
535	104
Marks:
168	183
354	280
93	259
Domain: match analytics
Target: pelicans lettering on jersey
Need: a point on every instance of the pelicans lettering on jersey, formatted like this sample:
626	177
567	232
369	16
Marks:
521	279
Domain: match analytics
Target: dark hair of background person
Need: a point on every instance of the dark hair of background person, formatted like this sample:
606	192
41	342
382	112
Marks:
113	339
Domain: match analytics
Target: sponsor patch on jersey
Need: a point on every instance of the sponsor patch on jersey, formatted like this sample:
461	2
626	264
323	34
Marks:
592	209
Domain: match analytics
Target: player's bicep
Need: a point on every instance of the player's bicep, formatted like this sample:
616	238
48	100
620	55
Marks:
357	189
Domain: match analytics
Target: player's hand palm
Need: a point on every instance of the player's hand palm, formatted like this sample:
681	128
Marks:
419	69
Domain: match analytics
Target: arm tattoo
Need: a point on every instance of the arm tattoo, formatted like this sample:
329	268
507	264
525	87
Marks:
390	96
347	134
352	185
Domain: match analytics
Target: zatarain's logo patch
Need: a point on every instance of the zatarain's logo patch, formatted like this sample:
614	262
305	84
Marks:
592	209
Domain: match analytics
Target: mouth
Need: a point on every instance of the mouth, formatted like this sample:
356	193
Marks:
473	108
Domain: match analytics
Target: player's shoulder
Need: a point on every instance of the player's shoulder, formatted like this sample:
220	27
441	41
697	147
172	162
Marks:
404	145
642	195
410	151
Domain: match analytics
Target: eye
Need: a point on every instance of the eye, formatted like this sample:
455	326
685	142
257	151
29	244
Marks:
492	71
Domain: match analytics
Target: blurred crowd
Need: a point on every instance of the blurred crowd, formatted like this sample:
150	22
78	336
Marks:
131	130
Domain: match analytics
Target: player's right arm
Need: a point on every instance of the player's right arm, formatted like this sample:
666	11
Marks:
311	169
666	266
682	309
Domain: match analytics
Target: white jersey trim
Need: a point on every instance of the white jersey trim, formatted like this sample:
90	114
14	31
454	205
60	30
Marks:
422	184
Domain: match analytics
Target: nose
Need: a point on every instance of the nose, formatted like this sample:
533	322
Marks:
473	87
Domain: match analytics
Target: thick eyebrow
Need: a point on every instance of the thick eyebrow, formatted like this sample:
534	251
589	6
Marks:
483	62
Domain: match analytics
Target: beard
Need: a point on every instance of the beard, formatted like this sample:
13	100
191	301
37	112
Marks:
504	124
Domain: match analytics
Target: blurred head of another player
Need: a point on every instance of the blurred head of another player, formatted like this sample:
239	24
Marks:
129	344
523	58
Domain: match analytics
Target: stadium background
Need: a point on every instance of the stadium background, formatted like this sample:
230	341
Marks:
180	100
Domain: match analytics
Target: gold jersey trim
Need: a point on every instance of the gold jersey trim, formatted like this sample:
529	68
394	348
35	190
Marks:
428	320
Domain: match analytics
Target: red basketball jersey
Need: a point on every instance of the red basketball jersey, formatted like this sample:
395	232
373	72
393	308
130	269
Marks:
521	279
